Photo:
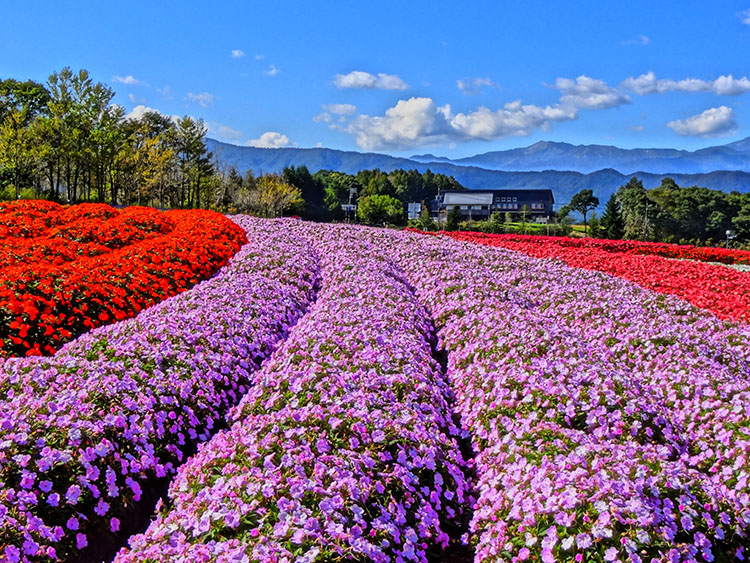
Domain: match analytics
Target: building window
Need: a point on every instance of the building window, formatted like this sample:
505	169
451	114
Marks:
515	199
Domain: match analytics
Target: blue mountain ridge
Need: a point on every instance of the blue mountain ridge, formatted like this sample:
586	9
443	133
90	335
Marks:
731	161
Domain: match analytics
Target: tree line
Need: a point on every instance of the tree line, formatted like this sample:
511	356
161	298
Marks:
670	213
66	141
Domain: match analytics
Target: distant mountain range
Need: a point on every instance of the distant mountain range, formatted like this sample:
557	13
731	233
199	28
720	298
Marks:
562	167
546	155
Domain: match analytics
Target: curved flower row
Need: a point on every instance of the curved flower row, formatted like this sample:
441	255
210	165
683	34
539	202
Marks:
344	448
84	433
721	290
666	250
609	423
68	270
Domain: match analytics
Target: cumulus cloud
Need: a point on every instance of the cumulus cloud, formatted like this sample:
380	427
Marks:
712	122
745	16
361	79
130	80
222	132
271	140
237	53
140	110
725	85
271	70
589	93
473	86
419	121
341	109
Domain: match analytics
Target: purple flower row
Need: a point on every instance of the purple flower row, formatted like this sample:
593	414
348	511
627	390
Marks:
84	432
343	449
610	423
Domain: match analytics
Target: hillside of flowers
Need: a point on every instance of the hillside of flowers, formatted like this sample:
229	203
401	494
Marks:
65	270
722	290
342	393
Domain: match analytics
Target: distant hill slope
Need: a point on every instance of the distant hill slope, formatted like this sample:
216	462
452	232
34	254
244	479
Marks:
563	183
546	155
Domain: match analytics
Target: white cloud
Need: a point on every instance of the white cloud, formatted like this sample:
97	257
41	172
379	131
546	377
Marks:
271	140
473	86
361	79
222	132
324	117
589	93
745	17
140	110
419	121
271	70
130	80
639	40
725	85
237	53
135	100
710	123
636	127
259	57
341	109
204	98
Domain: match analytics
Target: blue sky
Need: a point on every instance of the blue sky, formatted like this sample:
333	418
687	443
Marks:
409	77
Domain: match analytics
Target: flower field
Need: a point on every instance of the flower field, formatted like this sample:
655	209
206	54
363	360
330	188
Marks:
66	270
636	247
719	289
341	393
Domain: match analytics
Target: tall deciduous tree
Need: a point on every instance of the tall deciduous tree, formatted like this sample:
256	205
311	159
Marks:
583	202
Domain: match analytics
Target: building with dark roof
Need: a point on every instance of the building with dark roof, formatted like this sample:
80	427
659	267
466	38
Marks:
478	205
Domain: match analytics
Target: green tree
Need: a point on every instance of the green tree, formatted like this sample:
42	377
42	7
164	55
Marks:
495	223
313	192
425	221
635	210
612	223
583	202
380	210
272	197
194	161
594	226
18	154
453	220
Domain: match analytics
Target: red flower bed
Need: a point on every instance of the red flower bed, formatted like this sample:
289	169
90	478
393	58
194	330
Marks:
66	270
685	252
723	291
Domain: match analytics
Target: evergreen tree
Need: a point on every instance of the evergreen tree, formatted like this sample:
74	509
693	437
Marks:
612	223
453	220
